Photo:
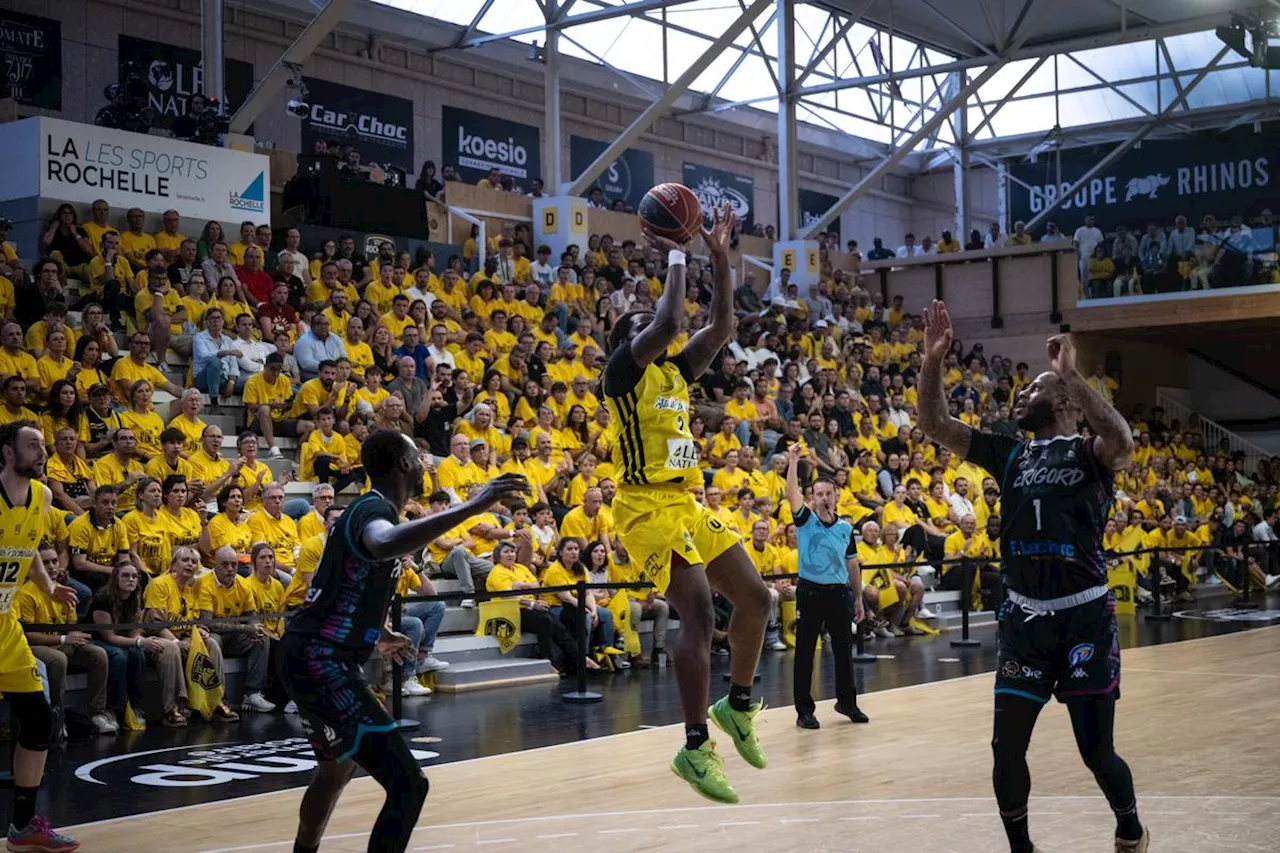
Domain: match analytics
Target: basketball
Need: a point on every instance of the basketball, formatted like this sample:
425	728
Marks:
672	211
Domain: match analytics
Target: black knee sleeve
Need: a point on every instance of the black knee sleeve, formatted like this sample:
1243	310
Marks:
34	719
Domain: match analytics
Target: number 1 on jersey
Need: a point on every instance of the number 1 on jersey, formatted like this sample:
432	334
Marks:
1036	503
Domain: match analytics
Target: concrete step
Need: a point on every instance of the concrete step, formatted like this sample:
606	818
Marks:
482	675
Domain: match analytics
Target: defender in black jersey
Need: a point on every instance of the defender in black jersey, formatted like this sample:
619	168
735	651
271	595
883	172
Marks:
343	621
1057	626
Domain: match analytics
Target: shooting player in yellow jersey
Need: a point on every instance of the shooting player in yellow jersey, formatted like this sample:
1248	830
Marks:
676	543
23	504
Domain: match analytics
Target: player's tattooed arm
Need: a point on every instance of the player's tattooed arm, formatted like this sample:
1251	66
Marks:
1113	444
935	420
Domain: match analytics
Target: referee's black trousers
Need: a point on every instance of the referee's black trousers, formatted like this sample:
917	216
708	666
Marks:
818	606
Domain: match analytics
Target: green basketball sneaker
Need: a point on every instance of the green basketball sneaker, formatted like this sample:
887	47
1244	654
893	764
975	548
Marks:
703	768
741	726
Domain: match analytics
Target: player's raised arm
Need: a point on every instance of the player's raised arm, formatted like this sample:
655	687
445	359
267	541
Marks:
384	540
935	420
795	496
1113	444
709	340
652	341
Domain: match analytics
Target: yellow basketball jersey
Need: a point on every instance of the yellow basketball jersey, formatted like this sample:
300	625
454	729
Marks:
649	429
21	529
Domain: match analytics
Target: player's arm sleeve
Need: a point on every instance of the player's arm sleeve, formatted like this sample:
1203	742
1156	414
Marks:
801	518
991	452
622	373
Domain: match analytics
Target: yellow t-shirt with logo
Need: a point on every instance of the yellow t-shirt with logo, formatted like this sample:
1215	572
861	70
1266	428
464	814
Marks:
222	601
150	538
177	604
280	533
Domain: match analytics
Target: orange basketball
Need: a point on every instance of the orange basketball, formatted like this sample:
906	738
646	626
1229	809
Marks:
672	211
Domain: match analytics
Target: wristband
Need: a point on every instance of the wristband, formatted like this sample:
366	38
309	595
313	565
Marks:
137	642
62	639
675	258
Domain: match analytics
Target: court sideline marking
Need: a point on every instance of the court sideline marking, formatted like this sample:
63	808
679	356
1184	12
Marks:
368	779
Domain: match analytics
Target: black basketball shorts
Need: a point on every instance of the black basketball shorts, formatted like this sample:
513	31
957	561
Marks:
335	702
1071	653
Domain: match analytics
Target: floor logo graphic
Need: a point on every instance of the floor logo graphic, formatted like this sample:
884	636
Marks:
208	765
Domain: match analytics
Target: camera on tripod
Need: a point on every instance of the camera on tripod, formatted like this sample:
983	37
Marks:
128	106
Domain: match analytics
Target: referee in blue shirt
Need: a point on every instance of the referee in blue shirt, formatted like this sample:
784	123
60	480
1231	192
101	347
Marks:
827	553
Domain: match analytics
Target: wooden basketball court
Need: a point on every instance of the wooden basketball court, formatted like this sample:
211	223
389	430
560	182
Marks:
1197	725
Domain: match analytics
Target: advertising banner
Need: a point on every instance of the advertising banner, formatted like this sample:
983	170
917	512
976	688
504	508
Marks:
1222	174
79	163
714	187
31	60
475	143
812	205
174	74
379	126
627	178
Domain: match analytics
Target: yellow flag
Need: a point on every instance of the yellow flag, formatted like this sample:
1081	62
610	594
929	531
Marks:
500	619
880	579
204	684
132	722
788	612
1122	583
620	607
921	625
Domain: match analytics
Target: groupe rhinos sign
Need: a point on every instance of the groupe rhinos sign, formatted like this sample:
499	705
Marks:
1228	172
475	143
208	766
379	126
64	161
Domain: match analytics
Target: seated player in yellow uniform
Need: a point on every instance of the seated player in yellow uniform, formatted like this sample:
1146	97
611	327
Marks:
25	501
676	543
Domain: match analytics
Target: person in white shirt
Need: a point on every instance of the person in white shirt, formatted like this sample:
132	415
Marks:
993	240
253	357
909	249
624	297
959	500
1087	236
437	346
543	272
928	247
506	271
292	240
897	413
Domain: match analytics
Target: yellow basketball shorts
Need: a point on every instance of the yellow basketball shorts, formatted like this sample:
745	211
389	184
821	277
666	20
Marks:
18	672
656	523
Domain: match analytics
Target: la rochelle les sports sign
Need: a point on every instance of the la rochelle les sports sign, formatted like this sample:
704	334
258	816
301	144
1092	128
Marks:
79	163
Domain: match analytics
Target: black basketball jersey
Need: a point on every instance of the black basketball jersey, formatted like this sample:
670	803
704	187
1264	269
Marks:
347	603
1054	497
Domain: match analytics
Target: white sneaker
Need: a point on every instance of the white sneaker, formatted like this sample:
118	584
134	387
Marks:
467	603
1273	581
883	630
291	708
256	702
411	687
103	724
926	613
274	453
778	646
1212	580
432	664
